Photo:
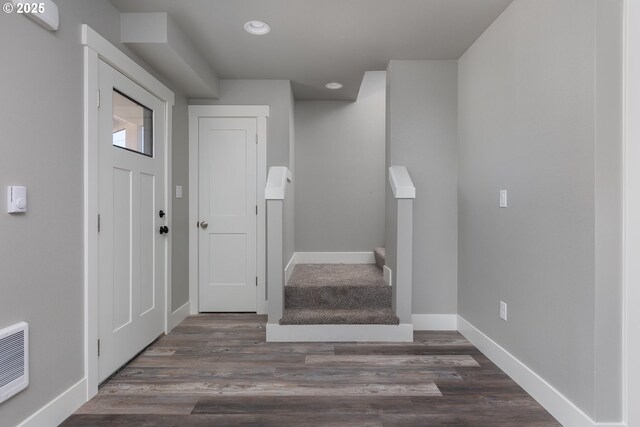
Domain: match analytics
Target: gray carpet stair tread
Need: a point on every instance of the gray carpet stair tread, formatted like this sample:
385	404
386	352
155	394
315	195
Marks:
306	316
336	275
380	256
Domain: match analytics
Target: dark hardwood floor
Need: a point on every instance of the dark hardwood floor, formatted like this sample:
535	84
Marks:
217	370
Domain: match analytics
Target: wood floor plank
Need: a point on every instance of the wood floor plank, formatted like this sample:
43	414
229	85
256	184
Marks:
236	420
376	374
218	370
218	361
141	404
300	404
273	388
460	420
399	349
391	360
158	374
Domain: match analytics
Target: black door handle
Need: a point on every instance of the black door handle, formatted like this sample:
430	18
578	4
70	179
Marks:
164	229
161	213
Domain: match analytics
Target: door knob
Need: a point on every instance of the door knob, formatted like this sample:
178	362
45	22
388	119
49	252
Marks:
164	229
161	213
204	224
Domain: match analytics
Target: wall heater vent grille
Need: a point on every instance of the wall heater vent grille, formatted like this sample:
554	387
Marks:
14	356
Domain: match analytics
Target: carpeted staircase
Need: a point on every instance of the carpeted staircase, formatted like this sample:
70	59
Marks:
340	294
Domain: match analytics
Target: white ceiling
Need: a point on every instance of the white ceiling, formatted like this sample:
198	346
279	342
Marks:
313	42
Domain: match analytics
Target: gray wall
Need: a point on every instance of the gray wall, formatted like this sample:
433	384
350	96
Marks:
277	94
527	123
42	147
421	135
180	207
340	171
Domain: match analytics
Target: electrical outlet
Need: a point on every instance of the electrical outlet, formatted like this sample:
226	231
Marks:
503	310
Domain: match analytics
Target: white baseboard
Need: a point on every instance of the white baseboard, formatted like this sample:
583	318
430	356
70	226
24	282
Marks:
567	413
335	258
289	268
56	411
339	333
178	316
387	274
435	322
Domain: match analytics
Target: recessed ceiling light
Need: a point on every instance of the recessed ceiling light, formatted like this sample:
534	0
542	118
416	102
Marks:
333	85
257	28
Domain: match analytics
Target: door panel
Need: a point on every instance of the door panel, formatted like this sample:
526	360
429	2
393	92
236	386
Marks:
122	266
228	258
228	173
147	242
132	187
227	200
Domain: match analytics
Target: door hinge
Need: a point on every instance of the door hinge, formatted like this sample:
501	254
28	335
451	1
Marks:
256	138
98	348
98	98
98	223
256	209
256	280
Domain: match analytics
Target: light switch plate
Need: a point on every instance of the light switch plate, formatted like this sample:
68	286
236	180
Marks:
503	310
503	198
16	199
178	191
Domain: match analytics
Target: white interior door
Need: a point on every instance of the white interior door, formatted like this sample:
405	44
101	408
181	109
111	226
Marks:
132	250
228	214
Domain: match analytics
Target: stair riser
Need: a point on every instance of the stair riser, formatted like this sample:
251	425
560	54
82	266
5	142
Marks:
339	317
340	320
338	297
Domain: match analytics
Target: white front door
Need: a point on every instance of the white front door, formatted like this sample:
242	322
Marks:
228	214
132	238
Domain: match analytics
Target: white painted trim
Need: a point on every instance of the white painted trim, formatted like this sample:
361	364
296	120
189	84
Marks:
435	322
127	66
387	275
261	303
276	187
98	48
401	184
339	333
631	215
61	407
90	220
288	270
335	258
260	113
229	110
565	411
176	317
194	293
168	197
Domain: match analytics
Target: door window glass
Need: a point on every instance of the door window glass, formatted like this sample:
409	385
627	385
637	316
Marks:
132	125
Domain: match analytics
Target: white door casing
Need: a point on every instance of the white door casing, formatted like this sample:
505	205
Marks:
132	252
228	212
96	49
258	113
